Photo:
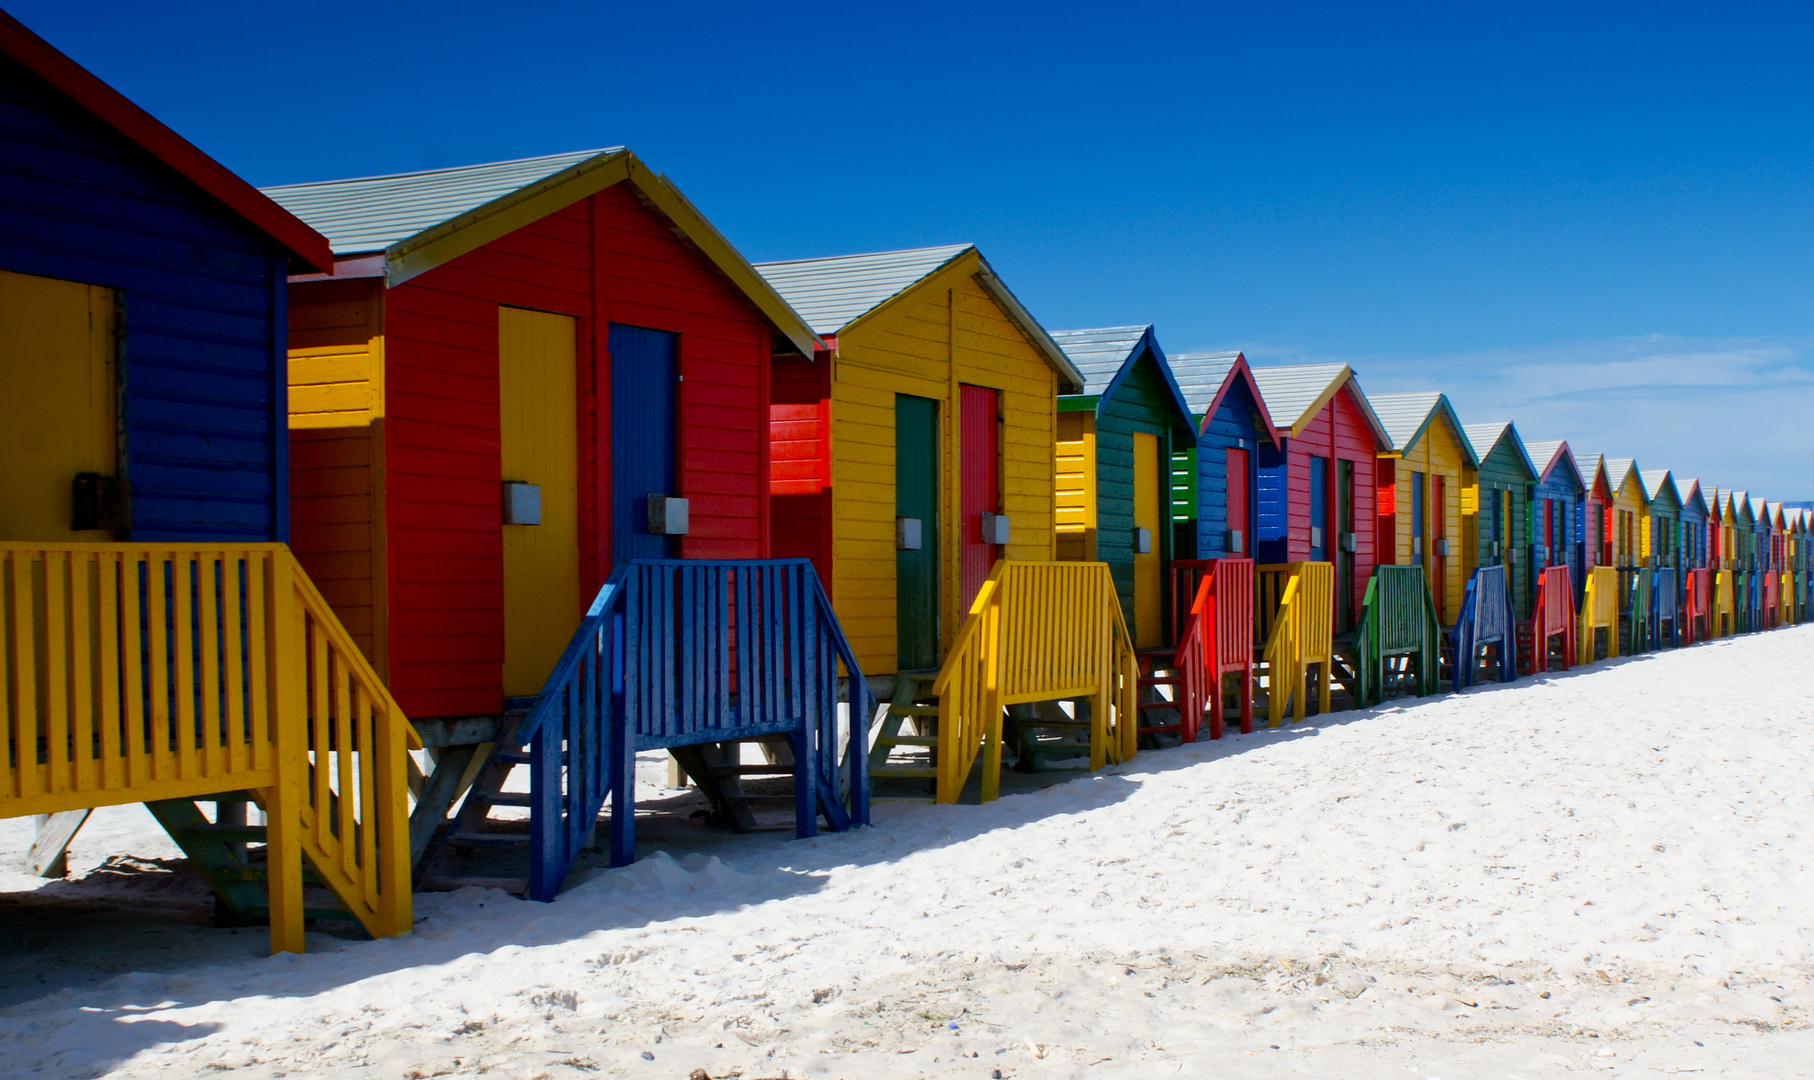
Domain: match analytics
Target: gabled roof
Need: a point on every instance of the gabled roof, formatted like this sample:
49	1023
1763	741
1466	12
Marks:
1597	474
1406	416
1106	357
1656	481
421	220
1690	491
839	291
1760	510
1740	502
1551	452
1205	379
113	109
1716	503
1620	469
1296	393
1484	437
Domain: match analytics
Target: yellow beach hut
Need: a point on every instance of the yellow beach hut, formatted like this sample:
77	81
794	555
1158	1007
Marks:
1432	464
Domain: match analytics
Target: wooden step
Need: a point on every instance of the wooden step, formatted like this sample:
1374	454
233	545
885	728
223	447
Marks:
489	839
507	798
511	757
752	770
907	740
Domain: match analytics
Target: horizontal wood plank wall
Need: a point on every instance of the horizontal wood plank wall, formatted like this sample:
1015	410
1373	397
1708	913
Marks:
1630	534
1075	491
201	301
605	259
1437	453
799	427
1341	431
1503	470
1142	403
912	349
336	376
1231	428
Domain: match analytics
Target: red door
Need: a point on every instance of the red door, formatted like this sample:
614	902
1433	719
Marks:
979	490
1236	463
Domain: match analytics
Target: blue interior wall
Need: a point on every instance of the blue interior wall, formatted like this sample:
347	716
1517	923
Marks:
201	294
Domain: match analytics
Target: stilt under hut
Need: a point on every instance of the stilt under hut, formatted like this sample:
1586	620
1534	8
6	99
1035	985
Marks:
142	440
1214	497
1693	557
1431	462
1495	511
522	387
1665	556
1318	496
920	480
1117	441
1558	548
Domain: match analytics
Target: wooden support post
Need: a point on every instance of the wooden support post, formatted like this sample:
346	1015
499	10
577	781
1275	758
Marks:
446	780
49	853
289	720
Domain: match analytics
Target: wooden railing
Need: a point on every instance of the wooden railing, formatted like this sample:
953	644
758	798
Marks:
1599	611
1773	594
1485	619
1398	619
1218	641
1037	631
138	673
1301	631
1553	617
1725	605
678	652
1665	611
1697	605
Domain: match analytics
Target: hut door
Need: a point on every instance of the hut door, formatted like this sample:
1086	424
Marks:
1344	547
1495	557
1433	547
917	537
1149	565
980	489
57	403
538	443
1237	501
1319	509
642	437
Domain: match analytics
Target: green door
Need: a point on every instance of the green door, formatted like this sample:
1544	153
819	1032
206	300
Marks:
917	530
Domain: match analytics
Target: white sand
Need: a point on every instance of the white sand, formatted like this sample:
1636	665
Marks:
1607	870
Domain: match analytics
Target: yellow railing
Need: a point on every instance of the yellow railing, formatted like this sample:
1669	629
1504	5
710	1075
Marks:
1302	631
1599	611
136	672
1037	631
1725	610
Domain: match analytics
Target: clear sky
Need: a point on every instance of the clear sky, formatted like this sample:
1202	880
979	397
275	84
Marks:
1596	221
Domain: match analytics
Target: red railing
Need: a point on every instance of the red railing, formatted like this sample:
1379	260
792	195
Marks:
1214	600
1554	617
1697	606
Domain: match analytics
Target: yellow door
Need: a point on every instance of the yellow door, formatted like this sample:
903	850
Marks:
1149	569
57	402
539	444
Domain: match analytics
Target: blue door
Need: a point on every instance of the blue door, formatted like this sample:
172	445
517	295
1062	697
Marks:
642	437
1319	509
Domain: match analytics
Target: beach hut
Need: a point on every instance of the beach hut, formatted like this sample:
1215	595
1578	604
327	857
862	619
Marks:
1499	506
1432	463
1116	443
1599	517
920	449
1741	520
1629	532
1665	554
1215	485
1325	508
142	323
1558	509
504	364
1719	540
1693	549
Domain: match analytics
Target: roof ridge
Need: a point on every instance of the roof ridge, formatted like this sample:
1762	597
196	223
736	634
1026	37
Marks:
866	254
447	170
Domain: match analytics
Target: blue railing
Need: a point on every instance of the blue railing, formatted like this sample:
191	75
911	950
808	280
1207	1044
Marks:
1665	606
675	653
1486	619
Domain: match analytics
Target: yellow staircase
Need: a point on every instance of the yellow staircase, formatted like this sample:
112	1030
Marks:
162	673
1300	637
1037	632
1599	611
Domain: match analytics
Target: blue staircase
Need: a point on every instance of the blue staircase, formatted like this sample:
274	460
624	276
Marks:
676	654
1486	619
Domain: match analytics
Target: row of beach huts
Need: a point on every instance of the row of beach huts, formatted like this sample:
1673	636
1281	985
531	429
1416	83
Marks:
367	530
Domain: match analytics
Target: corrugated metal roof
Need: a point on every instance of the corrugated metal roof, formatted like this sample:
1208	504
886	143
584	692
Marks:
1544	452
1485	436
1617	468
1200	377
1100	353
371	213
834	292
1654	480
1292	391
1404	414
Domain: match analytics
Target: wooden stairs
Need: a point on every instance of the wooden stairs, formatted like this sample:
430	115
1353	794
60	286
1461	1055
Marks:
231	857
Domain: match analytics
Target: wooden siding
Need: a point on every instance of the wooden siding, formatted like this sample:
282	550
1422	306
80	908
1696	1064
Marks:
1076	486
939	334
201	300
1437	453
1341	432
1233	427
1503	471
1631	523
336	376
799	432
1142	404
605	259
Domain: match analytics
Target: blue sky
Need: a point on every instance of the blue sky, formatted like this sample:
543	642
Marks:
1596	223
